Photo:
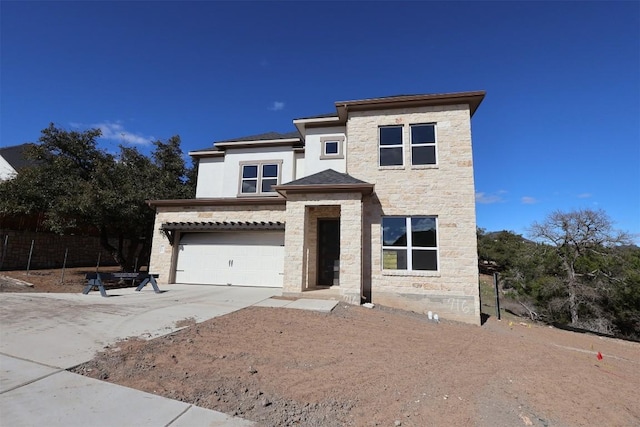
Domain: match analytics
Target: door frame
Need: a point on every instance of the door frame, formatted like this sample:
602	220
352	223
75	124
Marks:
319	258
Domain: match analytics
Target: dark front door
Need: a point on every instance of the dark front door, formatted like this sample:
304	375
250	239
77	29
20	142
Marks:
328	252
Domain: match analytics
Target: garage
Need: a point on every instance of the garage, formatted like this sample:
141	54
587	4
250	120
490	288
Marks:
242	258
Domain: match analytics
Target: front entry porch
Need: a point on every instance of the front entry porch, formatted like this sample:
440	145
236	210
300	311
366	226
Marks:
323	237
323	253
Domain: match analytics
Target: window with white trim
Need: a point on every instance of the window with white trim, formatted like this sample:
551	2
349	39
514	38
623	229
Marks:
410	243
423	144
390	146
258	178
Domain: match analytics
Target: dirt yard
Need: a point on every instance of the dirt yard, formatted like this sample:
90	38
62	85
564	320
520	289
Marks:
381	367
374	367
48	281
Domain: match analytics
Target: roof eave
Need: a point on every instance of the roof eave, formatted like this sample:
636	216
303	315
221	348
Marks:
473	99
364	188
303	124
258	143
206	153
225	201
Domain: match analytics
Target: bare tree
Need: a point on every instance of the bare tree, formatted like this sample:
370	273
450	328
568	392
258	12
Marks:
577	235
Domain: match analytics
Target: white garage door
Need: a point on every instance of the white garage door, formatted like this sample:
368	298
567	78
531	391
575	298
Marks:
243	258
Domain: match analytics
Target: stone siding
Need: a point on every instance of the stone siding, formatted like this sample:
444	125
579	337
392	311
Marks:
445	190
303	211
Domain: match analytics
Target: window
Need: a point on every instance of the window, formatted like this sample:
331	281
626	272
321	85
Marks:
258	178
423	144
390	138
332	147
409	243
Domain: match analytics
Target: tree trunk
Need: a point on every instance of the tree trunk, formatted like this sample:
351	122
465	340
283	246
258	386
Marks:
115	253
573	304
144	255
572	289
132	251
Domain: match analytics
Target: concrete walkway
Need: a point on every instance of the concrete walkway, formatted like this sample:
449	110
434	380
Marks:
42	335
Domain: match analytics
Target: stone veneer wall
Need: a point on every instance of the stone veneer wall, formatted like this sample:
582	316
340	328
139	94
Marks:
163	255
445	190
298	243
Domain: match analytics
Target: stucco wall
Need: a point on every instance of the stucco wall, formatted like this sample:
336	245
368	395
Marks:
233	157
300	171
210	175
445	190
313	150
220	176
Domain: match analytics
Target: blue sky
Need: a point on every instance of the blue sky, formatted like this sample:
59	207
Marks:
558	129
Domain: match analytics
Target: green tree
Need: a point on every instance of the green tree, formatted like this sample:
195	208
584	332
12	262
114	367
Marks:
622	303
583	241
76	184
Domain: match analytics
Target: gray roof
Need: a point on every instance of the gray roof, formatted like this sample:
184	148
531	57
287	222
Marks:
326	177
209	148
265	137
15	156
268	136
319	116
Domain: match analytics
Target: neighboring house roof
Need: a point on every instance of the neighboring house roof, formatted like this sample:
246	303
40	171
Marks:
326	181
12	159
15	156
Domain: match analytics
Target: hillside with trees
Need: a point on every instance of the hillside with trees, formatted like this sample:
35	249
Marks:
575	270
76	185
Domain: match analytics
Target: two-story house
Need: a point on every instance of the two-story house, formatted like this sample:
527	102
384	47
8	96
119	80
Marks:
374	202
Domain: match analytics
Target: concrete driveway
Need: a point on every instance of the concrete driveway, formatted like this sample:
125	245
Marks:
42	335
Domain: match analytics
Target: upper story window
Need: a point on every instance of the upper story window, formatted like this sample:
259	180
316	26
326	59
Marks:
423	144
258	178
332	147
390	146
410	243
